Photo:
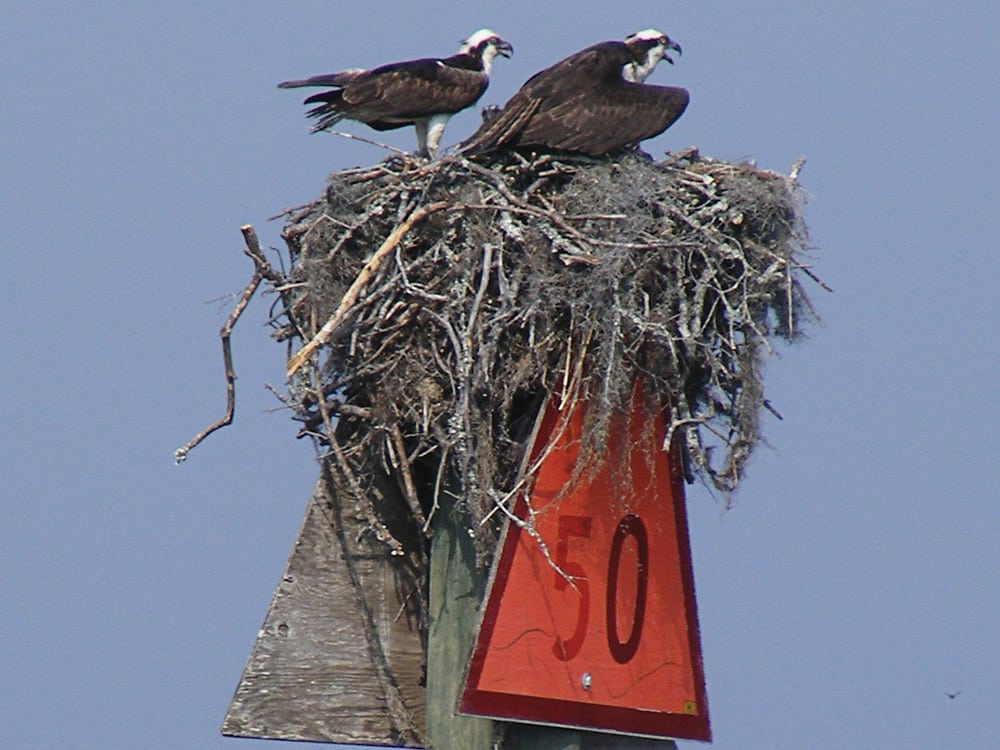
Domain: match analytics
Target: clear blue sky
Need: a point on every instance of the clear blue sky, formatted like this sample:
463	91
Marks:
857	578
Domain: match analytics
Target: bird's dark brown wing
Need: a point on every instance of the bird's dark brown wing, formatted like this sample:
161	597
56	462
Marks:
582	104
552	83
604	119
398	94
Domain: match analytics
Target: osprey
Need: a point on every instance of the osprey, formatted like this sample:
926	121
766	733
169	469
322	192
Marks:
593	102
424	93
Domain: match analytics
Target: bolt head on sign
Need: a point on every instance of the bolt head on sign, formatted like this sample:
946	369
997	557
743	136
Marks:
593	624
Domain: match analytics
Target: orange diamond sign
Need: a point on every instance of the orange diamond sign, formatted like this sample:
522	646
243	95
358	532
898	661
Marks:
590	620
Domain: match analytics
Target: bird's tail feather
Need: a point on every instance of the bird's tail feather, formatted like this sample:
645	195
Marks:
327	79
499	129
325	116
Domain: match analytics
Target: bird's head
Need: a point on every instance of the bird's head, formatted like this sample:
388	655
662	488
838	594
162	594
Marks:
648	47
486	45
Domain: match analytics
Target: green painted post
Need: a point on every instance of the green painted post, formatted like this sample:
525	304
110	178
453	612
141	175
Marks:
456	590
529	737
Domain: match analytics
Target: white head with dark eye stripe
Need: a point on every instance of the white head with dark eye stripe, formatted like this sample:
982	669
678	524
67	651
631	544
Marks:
486	45
648	46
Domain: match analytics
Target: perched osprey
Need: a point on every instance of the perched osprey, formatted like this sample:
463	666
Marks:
424	93
593	102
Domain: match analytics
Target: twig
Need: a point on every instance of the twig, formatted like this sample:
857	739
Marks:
351	295
793	175
484	282
397	451
253	251
814	277
435	504
288	211
369	141
181	454
528	526
378	528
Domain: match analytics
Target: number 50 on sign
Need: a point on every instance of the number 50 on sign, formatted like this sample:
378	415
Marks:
602	634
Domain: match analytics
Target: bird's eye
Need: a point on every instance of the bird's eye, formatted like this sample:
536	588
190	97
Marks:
663	41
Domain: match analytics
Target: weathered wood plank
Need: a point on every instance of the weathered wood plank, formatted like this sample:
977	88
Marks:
314	672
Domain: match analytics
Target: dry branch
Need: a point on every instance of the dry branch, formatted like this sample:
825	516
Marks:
351	296
262	271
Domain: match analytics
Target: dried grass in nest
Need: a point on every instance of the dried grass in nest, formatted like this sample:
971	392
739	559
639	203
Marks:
440	304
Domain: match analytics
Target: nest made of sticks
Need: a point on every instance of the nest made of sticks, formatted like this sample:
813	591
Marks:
440	304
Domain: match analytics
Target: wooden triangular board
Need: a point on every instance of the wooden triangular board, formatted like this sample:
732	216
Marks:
314	672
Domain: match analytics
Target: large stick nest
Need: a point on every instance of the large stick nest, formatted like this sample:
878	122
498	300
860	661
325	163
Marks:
458	294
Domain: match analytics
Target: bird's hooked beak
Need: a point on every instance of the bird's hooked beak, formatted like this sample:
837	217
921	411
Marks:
671	45
504	48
